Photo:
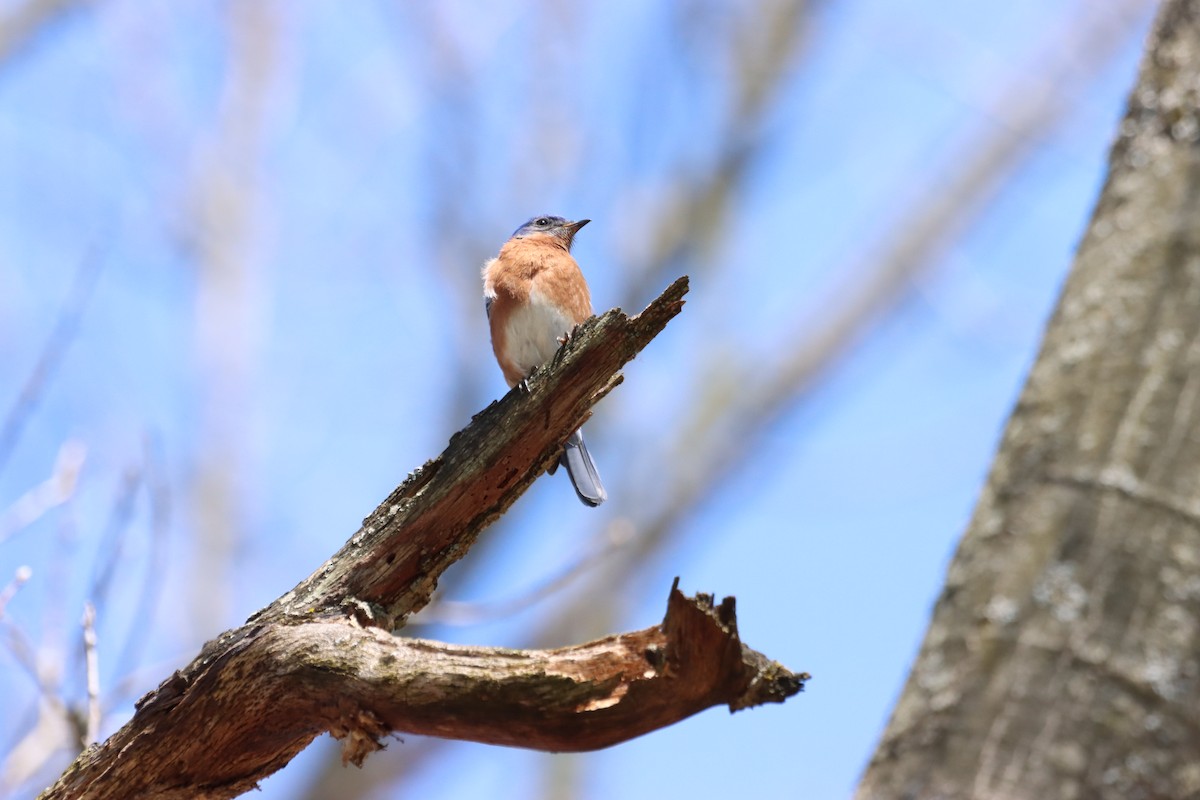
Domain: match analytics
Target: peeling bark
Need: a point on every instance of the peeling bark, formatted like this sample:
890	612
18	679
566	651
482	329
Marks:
323	658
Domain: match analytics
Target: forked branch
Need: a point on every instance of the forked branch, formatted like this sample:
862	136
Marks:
323	657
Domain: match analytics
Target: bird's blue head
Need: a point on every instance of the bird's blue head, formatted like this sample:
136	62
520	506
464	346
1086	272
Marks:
561	229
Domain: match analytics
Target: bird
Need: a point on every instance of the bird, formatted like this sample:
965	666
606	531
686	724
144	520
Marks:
535	294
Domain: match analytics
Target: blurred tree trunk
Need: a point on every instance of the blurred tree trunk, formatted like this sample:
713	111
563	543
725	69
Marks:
1063	659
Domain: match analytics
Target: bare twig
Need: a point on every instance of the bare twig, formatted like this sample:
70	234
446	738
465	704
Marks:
50	733
55	722
158	492
24	652
112	541
51	493
61	335
23	574
92	660
55	726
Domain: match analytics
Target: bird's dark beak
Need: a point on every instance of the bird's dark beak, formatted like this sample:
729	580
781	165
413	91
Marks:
573	228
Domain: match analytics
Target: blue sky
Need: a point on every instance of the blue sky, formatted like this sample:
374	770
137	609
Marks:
355	344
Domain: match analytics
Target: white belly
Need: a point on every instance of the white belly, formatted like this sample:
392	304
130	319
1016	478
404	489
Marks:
533	332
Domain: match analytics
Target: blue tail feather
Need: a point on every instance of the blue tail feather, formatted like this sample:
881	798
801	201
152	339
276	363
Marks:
582	470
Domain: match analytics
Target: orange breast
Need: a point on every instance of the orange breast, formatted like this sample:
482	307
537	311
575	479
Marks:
538	295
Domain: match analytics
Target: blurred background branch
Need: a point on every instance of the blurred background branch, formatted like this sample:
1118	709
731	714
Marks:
66	326
24	22
232	301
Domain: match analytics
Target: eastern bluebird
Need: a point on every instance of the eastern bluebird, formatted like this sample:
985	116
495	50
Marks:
535	295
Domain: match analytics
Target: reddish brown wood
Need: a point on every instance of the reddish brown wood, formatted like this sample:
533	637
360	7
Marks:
323	657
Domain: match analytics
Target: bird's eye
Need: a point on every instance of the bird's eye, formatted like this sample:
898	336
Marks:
542	222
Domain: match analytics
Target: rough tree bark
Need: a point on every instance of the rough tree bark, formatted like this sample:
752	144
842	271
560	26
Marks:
1063	658
323	656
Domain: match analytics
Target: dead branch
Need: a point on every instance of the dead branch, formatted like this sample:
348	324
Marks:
322	658
362	683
